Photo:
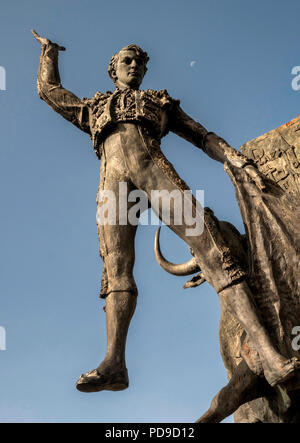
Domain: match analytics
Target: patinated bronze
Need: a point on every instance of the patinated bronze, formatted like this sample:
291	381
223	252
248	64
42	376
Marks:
270	252
126	127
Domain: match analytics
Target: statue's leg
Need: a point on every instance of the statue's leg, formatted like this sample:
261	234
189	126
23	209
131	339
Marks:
119	309
118	288
219	266
111	374
238	299
243	387
120	293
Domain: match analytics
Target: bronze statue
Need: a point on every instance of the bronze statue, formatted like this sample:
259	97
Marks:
270	251
126	128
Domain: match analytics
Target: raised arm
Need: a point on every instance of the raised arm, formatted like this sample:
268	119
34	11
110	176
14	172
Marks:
213	145
51	91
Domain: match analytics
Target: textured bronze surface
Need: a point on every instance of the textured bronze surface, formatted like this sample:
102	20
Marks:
256	279
272	223
277	155
270	251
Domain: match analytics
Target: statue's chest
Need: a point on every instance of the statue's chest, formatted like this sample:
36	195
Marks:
129	105
136	105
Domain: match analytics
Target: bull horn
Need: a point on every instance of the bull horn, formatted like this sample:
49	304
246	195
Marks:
188	268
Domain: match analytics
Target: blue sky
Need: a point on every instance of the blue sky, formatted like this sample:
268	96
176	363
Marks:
239	87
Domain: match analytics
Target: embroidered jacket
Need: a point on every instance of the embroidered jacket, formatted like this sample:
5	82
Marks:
155	111
148	108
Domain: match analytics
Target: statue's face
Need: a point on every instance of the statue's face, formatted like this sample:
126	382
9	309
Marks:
130	70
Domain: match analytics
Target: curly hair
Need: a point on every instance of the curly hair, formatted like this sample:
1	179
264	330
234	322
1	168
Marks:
115	57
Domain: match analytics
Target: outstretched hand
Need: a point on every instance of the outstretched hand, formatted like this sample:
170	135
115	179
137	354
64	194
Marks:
45	41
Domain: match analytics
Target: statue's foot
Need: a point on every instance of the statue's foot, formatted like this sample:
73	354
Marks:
289	369
93	381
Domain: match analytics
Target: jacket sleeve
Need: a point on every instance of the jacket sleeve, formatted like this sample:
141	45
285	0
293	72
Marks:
51	91
213	145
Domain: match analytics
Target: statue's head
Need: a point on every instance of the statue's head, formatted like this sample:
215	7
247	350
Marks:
128	67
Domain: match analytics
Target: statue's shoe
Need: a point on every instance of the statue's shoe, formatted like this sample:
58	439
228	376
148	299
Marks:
290	369
93	381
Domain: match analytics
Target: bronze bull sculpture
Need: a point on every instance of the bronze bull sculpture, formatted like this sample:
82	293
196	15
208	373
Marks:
248	394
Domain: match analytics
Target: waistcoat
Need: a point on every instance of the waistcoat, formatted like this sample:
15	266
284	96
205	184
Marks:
148	108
